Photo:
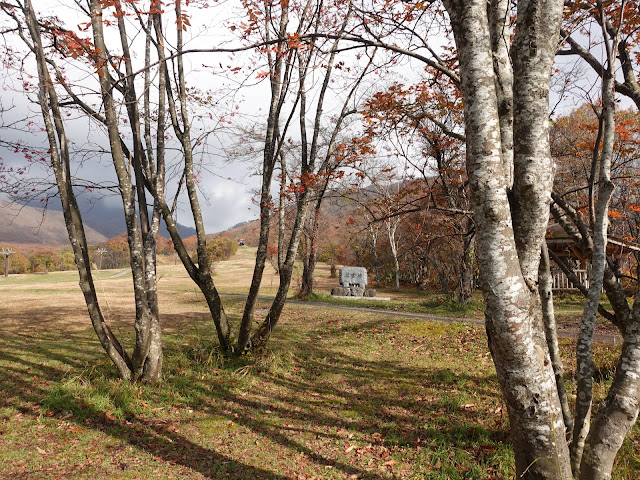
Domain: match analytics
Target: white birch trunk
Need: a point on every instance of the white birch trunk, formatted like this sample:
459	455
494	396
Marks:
618	412
507	267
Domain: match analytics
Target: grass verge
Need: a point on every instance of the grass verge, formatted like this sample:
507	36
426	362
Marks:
434	304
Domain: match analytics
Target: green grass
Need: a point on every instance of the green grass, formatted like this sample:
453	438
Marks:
333	397
55	277
414	302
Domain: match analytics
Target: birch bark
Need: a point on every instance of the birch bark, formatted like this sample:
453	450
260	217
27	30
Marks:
508	253
618	412
551	335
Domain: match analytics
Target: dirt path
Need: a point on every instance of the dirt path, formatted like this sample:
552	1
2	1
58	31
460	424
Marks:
121	273
602	335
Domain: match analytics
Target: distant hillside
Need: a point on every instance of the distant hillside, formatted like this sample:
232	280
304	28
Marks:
102	220
21	224
237	225
333	221
249	232
106	217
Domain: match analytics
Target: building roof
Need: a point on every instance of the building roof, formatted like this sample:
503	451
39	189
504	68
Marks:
564	246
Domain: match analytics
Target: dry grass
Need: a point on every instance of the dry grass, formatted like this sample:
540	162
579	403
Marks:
339	395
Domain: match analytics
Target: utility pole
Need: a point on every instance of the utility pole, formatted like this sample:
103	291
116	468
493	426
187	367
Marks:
101	251
6	252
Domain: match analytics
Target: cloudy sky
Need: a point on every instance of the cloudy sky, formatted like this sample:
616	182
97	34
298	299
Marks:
227	185
227	181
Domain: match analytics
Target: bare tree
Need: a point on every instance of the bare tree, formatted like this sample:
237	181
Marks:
292	73
145	363
596	444
345	155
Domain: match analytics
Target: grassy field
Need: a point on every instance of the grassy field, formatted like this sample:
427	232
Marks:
339	394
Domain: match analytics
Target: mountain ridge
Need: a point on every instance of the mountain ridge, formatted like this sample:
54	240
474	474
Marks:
29	224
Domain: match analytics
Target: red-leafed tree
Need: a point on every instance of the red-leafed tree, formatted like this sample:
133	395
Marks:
423	124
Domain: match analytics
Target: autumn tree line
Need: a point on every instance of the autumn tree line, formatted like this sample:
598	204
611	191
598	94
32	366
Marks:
115	254
429	237
453	169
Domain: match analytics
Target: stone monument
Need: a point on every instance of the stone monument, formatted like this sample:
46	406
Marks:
353	277
353	281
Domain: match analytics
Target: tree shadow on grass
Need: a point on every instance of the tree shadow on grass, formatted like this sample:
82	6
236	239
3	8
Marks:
319	408
384	403
26	382
28	379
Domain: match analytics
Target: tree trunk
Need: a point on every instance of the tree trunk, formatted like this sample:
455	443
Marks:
263	332
271	154
618	412
585	366
551	335
143	319
444	281
200	273
508	253
58	144
282	211
466	286
152	371
309	263
149	227
499	25
244	333
391	234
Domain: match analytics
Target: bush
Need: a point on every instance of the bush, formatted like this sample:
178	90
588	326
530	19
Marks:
221	248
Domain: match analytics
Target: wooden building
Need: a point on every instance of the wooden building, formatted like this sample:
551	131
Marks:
564	247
